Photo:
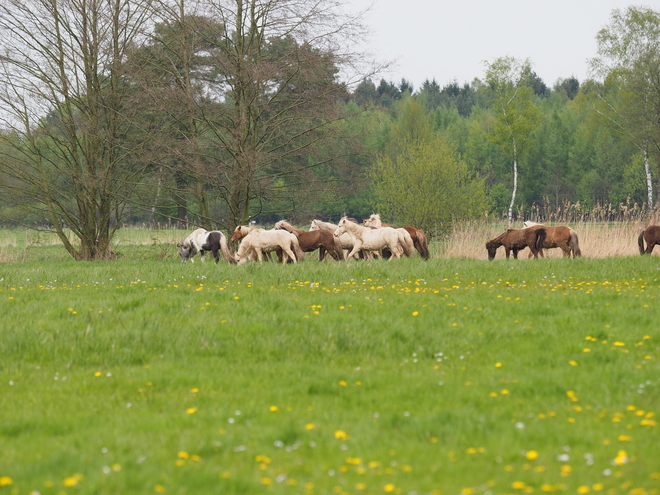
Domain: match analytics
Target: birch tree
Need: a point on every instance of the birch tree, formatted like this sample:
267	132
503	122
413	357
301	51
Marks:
629	60
516	114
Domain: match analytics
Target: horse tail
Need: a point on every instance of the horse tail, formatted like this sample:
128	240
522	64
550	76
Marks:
421	244
225	250
640	242
575	245
297	250
406	242
541	234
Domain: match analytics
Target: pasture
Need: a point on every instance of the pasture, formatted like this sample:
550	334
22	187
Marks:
448	376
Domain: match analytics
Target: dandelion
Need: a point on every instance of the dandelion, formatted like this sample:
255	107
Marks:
342	383
573	362
532	454
361	486
619	344
583	489
498	365
621	458
415	313
341	435
518	485
389	488
191	410
159	489
194	390
6	481
273	408
182	454
73	480
624	438
266	481
309	426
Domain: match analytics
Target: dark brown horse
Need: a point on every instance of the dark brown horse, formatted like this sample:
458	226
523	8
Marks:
517	240
311	240
652	237
417	235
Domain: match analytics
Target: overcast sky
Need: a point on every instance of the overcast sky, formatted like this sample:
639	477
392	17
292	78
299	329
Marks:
451	39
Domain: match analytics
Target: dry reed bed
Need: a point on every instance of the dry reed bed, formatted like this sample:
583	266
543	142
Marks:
597	240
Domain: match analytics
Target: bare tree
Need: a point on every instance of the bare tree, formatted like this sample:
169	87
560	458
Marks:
262	104
67	110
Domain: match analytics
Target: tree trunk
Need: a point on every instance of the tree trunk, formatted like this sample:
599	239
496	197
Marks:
515	182
649	178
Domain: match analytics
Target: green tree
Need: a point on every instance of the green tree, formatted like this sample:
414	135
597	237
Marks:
428	186
629	59
516	114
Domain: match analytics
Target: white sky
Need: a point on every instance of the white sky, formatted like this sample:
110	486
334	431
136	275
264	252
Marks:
451	39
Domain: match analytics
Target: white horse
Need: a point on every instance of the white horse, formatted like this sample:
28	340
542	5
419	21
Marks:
202	240
406	240
368	239
263	241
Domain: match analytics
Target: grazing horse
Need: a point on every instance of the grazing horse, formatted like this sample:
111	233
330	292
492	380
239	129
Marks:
417	235
368	239
323	240
559	236
260	241
517	240
652	237
202	240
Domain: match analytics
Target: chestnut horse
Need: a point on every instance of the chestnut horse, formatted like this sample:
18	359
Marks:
517	240
559	236
652	237
310	240
417	235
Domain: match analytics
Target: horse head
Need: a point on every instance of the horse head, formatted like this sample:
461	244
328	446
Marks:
341	227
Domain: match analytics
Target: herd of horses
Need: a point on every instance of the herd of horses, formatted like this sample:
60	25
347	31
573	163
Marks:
350	240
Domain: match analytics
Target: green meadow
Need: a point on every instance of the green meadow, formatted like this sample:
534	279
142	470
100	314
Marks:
453	376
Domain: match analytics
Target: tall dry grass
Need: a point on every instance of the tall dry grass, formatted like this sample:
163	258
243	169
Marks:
597	239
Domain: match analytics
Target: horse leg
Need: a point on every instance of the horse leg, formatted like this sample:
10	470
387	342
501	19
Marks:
216	254
322	252
287	254
260	254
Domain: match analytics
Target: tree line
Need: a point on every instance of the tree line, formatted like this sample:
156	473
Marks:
214	114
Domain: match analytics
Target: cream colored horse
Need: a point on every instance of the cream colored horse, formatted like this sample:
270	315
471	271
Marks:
345	240
406	240
367	239
263	241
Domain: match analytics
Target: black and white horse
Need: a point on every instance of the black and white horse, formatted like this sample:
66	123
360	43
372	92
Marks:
202	240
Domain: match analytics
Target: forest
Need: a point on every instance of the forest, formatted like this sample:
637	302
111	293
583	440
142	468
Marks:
220	114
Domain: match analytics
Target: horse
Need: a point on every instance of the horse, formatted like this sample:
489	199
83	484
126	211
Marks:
368	239
517	240
417	235
202	240
310	240
260	241
345	240
559	236
652	237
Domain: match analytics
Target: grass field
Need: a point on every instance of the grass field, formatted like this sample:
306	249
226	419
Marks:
452	376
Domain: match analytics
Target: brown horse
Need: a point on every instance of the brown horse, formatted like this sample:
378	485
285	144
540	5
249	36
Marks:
418	236
559	236
311	240
517	240
652	237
